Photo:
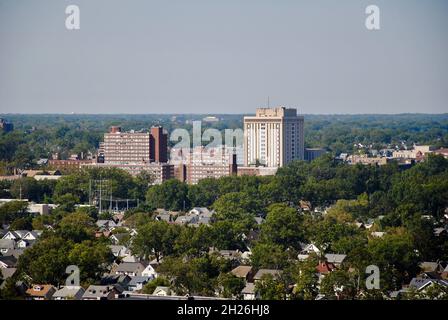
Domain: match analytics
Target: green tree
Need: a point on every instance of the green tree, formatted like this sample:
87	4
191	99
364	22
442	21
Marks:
230	285
92	258
170	195
270	288
156	238
153	284
282	227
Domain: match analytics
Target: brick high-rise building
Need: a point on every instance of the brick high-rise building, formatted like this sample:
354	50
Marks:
159	145
137	151
273	137
135	147
204	163
126	147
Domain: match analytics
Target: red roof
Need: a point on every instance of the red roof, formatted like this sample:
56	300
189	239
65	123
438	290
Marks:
325	267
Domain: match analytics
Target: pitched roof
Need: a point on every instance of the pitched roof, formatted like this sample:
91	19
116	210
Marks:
7	272
420	283
16	253
95	291
69	292
335	258
260	273
241	271
139	279
249	288
7	244
161	289
39	290
325	267
429	266
9	261
130	267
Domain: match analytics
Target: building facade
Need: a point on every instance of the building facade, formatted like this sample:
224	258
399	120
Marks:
273	137
135	152
159	145
126	147
202	162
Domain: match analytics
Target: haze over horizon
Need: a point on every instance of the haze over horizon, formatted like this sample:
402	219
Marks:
223	57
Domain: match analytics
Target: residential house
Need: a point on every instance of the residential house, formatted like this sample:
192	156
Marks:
260	273
138	282
244	272
16	253
444	273
8	262
183	220
162	291
422	285
7	244
324	268
32	235
201	211
118	238
15	235
22	243
5	274
150	269
310	248
130	268
336	259
428	266
41	292
95	292
248	291
106	224
120	282
69	293
164	217
119	251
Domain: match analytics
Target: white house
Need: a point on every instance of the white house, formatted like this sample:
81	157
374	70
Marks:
162	291
150	270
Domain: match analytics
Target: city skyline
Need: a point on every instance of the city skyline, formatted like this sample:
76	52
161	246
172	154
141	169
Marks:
175	57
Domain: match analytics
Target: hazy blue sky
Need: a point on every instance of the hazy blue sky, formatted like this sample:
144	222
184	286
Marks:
192	56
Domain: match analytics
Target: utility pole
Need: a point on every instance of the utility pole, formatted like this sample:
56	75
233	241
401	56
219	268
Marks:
90	192
100	195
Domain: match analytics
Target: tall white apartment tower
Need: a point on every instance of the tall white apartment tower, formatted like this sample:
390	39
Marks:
273	137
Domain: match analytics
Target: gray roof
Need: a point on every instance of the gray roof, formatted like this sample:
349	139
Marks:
248	289
420	284
14	252
130	267
262	272
186	219
116	249
139	279
95	291
7	244
10	261
19	233
335	258
7	272
69	292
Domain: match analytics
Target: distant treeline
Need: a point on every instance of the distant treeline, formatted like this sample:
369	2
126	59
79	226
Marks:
38	136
